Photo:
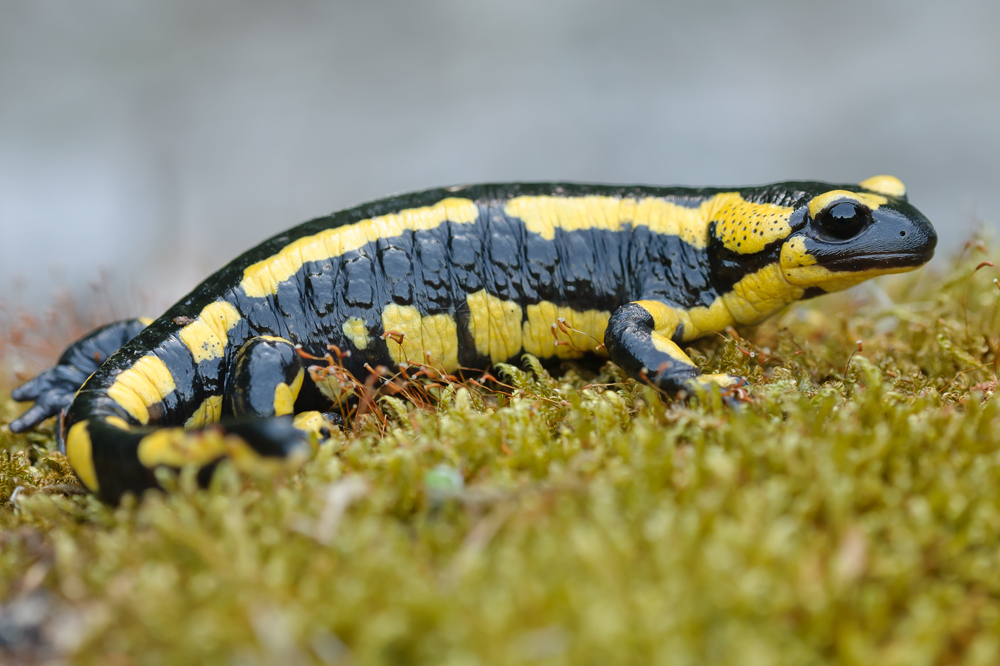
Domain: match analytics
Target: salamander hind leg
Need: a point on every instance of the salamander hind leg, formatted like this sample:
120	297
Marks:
641	344
257	430
52	390
265	380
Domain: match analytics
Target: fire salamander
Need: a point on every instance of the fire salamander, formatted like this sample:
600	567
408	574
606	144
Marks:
461	277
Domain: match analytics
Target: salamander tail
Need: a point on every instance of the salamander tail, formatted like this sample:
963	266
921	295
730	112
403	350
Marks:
112	458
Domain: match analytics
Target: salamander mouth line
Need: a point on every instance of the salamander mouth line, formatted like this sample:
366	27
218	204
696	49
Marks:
869	261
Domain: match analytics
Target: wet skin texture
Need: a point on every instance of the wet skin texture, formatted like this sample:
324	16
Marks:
461	278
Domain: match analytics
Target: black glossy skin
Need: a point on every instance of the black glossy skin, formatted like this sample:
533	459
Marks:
53	391
434	271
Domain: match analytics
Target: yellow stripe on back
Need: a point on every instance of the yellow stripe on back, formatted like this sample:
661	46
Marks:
143	385
207	335
743	226
262	278
544	214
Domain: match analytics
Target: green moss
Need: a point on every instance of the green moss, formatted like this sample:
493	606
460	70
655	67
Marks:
849	514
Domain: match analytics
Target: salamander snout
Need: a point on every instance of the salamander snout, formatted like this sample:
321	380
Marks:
892	238
852	236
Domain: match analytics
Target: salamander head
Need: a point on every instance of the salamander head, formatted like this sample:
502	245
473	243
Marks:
845	236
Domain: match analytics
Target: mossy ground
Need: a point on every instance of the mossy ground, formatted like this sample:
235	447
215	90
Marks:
849	514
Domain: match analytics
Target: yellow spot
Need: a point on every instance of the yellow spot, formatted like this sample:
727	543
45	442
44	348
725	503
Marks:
117	422
356	331
314	423
285	395
501	329
669	347
746	227
146	321
794	254
871	201
761	294
665	317
887	185
665	322
297	383
284	401
537	332
207	335
262	278
724	381
495	326
176	447
208	412
79	451
544	214
140	387
437	335
335	385
697	321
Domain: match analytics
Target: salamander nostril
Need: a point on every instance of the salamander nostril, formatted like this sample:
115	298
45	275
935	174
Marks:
902	233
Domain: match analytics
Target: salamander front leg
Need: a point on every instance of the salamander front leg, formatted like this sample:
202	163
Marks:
644	349
53	390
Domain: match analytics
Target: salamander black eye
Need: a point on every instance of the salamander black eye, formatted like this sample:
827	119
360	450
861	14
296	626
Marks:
843	220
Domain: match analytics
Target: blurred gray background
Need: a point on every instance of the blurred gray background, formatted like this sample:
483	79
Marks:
159	140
